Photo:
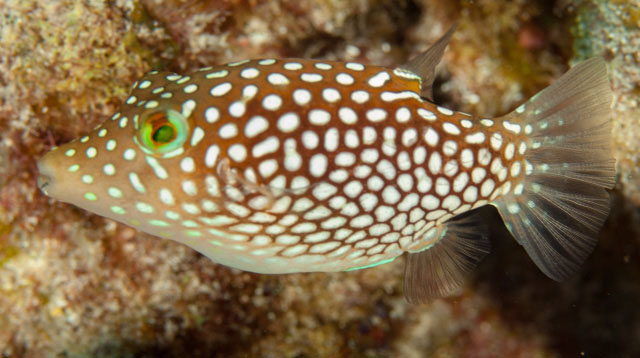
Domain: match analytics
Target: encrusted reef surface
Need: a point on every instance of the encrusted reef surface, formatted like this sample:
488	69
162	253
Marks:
77	285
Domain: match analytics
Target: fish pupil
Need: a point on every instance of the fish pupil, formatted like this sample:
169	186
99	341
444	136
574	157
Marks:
163	134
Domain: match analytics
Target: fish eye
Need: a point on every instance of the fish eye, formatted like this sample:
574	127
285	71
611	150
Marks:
162	132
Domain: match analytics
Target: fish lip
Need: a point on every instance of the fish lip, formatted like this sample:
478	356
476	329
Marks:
43	183
45	180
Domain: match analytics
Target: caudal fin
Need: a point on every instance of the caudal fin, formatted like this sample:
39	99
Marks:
558	212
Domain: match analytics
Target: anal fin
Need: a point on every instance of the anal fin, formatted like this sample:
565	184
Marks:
437	271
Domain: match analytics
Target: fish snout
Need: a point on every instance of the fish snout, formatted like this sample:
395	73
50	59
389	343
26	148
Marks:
46	174
43	183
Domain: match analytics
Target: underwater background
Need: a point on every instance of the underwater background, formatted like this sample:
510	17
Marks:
73	284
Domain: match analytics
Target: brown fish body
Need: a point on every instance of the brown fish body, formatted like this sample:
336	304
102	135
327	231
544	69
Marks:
293	165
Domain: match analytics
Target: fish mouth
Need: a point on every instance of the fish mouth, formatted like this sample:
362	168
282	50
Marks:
43	183
45	180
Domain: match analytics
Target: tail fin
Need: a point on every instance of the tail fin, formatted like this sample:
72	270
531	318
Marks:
563	203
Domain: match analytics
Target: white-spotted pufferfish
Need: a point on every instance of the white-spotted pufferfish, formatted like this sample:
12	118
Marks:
291	165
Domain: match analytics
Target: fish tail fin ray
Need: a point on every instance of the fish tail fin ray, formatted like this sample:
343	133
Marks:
440	269
562	203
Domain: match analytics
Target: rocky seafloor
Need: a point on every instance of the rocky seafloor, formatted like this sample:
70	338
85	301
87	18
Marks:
73	284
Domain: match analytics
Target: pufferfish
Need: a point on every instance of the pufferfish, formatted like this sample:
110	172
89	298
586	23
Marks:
294	165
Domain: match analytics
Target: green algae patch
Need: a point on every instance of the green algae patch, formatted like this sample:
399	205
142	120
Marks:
629	13
7	253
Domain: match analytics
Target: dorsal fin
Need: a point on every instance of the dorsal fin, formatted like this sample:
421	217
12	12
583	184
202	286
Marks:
424	65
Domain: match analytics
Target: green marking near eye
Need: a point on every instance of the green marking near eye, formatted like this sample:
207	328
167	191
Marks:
118	210
162	132
88	179
193	233
189	223
172	215
144	208
114	192
129	154
90	196
155	222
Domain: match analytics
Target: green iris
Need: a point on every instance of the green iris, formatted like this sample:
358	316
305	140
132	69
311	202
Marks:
162	132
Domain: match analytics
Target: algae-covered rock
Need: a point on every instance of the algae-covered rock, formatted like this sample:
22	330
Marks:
612	29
